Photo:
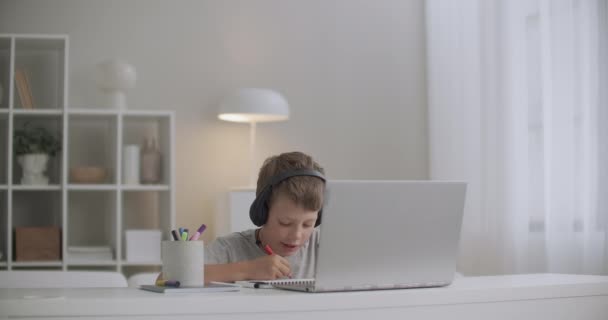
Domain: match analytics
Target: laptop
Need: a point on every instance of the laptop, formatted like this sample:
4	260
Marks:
386	235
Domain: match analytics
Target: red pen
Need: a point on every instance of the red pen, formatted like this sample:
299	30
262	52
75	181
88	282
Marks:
268	250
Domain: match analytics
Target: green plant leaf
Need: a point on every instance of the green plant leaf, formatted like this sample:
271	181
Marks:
35	140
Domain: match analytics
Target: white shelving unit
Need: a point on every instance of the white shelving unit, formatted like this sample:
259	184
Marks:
88	214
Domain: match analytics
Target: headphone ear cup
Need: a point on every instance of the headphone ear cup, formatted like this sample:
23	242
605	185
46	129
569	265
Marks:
319	215
253	213
258	212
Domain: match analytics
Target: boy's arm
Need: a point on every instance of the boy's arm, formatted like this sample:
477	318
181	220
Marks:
228	272
263	268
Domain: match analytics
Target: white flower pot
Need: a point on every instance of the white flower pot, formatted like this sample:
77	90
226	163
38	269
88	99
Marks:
34	166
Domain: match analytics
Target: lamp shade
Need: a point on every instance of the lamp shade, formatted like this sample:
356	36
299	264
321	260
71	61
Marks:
254	105
116	74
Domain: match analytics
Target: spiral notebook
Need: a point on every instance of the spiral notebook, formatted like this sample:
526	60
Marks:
269	284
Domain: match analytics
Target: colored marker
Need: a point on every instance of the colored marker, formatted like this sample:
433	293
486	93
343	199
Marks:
198	233
268	250
181	230
185	236
167	283
174	234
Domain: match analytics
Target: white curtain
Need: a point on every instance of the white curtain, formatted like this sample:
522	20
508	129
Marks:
518	107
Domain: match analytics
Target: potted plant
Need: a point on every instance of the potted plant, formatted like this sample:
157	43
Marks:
33	146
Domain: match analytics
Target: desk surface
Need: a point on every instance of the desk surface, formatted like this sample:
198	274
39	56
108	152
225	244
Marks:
132	302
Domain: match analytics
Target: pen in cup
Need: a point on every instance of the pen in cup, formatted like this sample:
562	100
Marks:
175	235
198	233
185	235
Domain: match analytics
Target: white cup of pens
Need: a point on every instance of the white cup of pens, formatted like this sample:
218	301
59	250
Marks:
183	259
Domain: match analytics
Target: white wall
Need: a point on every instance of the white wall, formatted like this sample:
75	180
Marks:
352	71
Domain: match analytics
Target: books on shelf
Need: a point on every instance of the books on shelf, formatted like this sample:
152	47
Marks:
89	253
24	89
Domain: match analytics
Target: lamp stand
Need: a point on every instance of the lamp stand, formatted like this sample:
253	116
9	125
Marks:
252	168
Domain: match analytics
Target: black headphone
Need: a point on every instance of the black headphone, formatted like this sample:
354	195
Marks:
258	212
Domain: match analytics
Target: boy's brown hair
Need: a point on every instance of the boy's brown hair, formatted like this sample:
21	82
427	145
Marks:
305	191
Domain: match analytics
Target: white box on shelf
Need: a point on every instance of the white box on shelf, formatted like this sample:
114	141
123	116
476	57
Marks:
143	245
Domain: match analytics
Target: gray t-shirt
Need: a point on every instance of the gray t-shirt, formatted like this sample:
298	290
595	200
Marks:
240	246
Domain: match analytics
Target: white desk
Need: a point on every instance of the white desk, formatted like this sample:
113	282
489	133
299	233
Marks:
542	296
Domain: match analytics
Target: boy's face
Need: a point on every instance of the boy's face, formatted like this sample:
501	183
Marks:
288	227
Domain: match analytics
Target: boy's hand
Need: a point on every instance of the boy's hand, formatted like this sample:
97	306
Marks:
268	268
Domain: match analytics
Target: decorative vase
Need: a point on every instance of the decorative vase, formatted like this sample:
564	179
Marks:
150	162
115	77
34	166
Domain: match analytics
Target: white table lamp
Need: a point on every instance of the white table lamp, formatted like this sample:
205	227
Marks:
253	106
115	77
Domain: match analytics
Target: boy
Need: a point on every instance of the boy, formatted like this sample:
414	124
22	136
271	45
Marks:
289	198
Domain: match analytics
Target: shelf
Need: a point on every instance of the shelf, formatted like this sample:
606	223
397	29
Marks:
102	128
38	112
114	112
155	126
41	42
147	113
92	263
151	187
32	208
34	264
138	263
36	188
93	112
37	36
54	124
99	211
43	62
109	187
92	187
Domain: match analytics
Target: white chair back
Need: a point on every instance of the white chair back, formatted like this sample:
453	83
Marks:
61	279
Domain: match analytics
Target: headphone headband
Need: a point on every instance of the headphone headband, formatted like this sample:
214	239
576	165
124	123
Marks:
288	174
258	212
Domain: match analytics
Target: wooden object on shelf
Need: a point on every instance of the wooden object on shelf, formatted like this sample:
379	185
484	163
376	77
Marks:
37	243
24	89
87	174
